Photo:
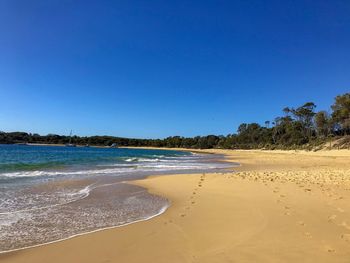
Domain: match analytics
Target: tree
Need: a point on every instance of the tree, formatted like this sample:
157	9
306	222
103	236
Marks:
304	114
341	112
286	111
242	128
323	123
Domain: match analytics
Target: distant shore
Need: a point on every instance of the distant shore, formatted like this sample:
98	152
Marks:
44	144
62	145
279	206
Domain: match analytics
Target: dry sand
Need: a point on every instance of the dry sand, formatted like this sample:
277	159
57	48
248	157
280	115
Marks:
279	207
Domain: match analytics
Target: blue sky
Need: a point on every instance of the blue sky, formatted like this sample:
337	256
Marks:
152	69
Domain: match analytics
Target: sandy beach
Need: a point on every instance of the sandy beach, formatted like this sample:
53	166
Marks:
278	206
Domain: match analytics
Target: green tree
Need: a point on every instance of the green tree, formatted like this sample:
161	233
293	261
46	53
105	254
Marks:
341	112
323	123
305	114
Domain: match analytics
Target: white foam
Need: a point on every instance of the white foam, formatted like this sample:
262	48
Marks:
57	173
117	168
83	193
162	210
131	159
149	160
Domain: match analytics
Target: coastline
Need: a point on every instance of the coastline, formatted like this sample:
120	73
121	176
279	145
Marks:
262	213
62	145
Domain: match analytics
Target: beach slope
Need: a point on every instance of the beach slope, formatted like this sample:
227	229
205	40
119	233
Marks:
277	207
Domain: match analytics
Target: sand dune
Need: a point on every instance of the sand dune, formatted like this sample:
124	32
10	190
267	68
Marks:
277	207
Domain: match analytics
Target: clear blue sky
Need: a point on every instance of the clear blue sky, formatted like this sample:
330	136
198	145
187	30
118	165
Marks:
159	68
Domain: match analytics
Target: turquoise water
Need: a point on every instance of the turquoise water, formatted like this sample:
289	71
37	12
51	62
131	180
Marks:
49	193
29	158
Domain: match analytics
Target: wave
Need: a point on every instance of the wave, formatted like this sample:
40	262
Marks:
123	165
59	173
142	160
131	160
118	170
161	211
178	167
81	194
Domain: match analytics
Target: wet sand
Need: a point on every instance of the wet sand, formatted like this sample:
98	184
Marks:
278	207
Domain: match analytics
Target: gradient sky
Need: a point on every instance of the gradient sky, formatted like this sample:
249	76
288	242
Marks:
151	69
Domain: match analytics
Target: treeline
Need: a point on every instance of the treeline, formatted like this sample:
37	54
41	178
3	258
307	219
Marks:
298	127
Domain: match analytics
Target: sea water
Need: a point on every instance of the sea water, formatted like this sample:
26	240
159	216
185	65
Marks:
50	193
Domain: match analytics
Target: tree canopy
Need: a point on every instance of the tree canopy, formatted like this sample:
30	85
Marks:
295	128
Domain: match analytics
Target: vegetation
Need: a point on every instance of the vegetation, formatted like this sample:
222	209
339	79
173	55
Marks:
300	127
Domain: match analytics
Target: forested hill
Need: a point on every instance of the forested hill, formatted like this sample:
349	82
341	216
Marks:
300	127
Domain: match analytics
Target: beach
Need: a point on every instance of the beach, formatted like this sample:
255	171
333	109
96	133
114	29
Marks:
277	206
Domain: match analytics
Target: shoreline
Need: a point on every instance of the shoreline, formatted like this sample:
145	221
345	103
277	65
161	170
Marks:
163	210
258	166
130	182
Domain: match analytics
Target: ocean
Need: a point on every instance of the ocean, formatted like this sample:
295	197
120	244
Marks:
51	193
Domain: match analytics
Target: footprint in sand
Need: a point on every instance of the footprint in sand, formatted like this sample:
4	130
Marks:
345	237
307	234
329	249
183	215
301	223
332	218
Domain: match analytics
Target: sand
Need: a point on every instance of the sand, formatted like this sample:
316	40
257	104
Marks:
278	207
